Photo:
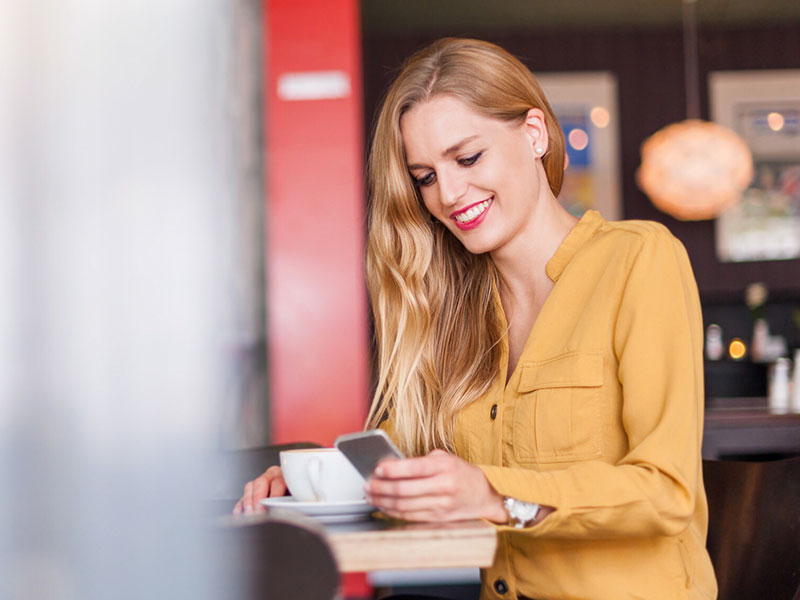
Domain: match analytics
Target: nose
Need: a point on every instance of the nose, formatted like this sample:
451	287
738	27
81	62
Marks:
452	187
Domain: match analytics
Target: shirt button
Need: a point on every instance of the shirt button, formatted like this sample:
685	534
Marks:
493	413
500	586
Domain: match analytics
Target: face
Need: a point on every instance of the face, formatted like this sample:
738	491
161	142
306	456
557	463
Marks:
479	176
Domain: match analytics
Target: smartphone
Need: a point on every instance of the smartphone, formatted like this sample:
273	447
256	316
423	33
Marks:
366	449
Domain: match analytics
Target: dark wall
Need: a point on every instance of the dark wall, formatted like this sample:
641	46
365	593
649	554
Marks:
649	70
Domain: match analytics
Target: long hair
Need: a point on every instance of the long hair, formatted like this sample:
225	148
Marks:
437	326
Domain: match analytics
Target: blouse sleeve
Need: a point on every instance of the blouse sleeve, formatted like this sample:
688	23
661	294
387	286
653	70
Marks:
652	490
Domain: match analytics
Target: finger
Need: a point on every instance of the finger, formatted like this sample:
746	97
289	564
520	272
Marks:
432	504
237	508
437	485
275	484
260	491
422	516
247	498
277	487
260	488
422	466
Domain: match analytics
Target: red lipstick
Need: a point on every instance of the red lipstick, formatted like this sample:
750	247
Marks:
478	214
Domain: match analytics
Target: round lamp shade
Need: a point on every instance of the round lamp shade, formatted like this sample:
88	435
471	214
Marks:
694	169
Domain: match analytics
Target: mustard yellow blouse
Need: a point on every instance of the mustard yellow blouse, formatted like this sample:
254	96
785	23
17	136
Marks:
602	419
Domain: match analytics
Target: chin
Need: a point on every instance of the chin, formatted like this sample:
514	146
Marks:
476	242
478	246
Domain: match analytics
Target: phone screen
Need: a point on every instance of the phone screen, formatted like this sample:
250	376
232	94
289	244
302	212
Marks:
365	450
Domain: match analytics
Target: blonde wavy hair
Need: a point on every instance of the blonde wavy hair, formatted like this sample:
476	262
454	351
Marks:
437	326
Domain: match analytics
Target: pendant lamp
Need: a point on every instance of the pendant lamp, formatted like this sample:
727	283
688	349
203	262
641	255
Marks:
694	169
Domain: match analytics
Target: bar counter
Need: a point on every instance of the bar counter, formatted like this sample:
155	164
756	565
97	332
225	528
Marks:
747	427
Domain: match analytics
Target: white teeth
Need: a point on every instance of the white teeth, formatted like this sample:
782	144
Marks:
472	213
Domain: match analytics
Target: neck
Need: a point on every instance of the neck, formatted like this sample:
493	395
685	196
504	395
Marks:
522	262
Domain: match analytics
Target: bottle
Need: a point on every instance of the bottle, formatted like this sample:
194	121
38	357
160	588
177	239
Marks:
714	346
760	342
779	386
794	403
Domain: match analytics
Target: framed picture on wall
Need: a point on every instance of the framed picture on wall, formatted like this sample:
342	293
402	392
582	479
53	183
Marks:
586	106
764	108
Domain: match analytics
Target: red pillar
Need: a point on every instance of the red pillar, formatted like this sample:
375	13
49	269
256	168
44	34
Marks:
316	299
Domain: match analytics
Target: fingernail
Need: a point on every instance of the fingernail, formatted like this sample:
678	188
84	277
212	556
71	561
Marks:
379	471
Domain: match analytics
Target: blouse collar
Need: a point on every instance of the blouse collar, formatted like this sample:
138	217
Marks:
581	233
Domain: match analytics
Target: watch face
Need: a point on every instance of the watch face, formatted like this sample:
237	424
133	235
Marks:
525	511
694	169
522	512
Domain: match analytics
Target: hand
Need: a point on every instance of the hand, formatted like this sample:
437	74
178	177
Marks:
436	487
268	484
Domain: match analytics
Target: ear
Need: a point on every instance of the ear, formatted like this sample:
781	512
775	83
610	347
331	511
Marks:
536	130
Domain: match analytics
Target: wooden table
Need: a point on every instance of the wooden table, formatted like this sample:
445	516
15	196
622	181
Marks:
383	545
380	545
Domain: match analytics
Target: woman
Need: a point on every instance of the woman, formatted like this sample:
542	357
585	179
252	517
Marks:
544	371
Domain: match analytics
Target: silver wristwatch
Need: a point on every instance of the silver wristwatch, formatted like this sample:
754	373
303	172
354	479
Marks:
520	514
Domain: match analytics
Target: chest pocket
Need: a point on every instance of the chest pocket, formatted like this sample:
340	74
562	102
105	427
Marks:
556	418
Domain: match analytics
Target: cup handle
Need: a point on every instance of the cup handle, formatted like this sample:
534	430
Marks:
314	472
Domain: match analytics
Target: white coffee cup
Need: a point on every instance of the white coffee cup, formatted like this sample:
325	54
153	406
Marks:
321	475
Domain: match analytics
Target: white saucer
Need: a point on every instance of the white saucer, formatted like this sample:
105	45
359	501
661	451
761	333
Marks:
327	512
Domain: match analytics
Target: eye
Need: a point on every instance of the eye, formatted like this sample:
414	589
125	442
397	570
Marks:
426	180
470	160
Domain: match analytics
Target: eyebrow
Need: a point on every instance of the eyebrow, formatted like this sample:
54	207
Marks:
452	149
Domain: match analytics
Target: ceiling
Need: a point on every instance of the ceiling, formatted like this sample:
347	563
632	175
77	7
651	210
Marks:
464	16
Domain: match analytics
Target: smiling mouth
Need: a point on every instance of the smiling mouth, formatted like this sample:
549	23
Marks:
472	213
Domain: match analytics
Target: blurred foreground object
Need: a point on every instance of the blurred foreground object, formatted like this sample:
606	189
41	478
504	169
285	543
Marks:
280	556
115	213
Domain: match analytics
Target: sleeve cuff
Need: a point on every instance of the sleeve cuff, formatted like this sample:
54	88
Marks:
528	486
525	485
